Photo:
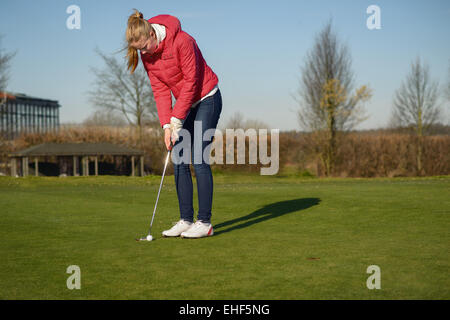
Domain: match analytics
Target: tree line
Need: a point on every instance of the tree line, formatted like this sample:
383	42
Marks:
330	105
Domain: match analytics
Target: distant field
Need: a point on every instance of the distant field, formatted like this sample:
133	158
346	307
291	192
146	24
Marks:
276	238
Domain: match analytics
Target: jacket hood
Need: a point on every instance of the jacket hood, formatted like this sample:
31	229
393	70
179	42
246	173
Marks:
173	26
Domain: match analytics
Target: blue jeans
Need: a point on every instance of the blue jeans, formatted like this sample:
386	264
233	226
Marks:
208	113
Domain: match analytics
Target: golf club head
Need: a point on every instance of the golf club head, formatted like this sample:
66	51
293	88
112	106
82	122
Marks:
147	238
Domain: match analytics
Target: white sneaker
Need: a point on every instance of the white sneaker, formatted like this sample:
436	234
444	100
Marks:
198	230
177	229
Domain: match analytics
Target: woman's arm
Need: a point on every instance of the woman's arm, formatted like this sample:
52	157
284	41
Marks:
163	99
190	67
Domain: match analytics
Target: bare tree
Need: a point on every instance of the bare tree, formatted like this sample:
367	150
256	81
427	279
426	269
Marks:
327	106
5	60
255	124
5	64
117	90
238	121
416	104
447	90
235	121
105	118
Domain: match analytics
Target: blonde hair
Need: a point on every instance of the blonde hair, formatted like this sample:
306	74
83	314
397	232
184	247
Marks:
137	28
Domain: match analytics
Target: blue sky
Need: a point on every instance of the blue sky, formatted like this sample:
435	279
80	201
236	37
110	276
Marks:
255	47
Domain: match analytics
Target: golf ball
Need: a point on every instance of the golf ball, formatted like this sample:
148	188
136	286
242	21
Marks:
149	238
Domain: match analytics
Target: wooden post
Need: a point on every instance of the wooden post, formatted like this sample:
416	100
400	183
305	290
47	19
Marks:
96	165
36	167
86	160
132	166
75	161
25	166
85	163
142	165
13	167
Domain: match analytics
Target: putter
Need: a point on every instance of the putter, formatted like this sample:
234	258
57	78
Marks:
149	236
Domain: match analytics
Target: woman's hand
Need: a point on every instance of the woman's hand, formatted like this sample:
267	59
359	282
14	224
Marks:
167	138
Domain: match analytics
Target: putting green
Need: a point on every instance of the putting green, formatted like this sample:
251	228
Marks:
275	238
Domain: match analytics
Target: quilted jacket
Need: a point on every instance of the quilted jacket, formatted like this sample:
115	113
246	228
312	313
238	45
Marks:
177	66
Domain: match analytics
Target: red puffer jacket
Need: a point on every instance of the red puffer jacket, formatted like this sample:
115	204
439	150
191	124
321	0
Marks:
177	66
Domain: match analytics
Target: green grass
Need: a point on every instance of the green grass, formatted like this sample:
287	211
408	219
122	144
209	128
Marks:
276	238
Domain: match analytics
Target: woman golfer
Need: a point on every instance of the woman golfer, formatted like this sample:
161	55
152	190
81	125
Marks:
175	65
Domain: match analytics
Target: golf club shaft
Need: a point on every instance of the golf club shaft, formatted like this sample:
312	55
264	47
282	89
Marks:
159	191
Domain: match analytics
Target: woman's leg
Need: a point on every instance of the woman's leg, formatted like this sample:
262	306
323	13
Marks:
183	183
207	116
183	178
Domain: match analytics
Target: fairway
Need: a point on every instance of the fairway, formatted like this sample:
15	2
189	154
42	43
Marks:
275	238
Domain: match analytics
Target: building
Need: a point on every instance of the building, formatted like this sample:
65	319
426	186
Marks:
75	159
20	113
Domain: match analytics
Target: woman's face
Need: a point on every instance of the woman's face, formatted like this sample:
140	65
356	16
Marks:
146	45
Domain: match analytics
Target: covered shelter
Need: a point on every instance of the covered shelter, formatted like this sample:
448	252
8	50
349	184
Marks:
78	153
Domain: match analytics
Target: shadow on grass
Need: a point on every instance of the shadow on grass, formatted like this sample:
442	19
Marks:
267	212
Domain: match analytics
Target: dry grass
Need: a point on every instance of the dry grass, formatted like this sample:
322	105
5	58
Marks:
375	155
359	155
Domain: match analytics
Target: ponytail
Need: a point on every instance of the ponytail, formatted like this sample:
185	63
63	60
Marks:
137	28
133	59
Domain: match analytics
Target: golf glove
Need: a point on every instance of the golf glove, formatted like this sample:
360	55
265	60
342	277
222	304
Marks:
175	125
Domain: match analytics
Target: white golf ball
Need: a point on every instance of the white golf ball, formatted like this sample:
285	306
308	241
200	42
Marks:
149	238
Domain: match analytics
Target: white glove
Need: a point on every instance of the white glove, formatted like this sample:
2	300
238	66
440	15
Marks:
175	125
